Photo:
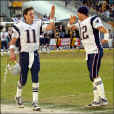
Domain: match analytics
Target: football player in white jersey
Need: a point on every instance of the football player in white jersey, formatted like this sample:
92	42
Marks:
28	32
89	28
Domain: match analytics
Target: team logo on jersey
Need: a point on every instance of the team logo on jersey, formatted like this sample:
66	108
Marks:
97	21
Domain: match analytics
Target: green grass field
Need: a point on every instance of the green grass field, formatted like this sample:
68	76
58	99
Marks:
64	81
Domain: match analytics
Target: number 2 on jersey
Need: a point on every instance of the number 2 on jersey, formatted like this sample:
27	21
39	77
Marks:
28	36
84	32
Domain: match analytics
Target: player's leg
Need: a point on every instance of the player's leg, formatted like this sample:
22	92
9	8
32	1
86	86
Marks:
35	79
2	48
5	46
24	61
47	45
91	65
98	81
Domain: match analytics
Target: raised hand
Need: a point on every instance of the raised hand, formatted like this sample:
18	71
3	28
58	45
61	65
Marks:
72	19
52	13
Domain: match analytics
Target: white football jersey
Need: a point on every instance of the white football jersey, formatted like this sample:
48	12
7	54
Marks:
29	35
89	35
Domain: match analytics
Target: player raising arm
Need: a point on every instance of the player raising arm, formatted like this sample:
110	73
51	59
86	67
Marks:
29	34
89	28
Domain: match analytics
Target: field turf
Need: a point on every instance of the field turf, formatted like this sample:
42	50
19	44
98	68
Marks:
64	81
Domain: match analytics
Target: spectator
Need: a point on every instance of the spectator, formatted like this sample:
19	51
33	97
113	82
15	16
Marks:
111	38
4	43
107	13
66	2
112	11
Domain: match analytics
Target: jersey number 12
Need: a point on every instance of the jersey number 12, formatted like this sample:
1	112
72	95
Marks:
84	32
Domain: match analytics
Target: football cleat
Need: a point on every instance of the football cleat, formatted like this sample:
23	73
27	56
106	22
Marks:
103	102
19	102
94	104
35	107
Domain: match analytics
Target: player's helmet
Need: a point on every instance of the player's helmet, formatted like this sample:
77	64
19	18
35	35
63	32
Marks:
14	69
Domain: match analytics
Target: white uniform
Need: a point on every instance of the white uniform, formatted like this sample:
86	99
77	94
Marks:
3	36
29	35
89	34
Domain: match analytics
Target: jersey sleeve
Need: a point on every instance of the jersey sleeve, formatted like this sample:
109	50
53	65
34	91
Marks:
16	31
97	22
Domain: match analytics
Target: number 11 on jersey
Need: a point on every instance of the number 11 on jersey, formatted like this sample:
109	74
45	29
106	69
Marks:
29	38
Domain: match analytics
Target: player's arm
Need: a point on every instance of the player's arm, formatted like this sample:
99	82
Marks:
106	34
12	43
71	24
99	26
50	26
12	49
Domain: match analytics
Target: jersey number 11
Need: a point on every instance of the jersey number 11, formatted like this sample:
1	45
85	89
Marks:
28	36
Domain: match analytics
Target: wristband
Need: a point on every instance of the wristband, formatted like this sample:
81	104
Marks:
12	47
51	20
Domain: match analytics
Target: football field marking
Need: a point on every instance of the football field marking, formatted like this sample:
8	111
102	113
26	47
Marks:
12	109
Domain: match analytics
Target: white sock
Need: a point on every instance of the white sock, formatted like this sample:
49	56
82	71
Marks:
100	87
19	90
95	93
35	92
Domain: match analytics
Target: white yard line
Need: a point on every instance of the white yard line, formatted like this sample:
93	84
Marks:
12	109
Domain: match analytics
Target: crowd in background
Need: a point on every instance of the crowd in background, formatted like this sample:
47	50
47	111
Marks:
104	7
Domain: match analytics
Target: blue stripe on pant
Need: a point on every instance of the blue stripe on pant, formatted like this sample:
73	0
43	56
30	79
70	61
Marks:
93	64
24	62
